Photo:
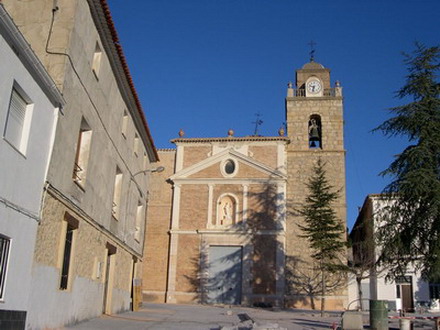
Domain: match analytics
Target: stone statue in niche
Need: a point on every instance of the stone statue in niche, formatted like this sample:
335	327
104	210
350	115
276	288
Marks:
226	211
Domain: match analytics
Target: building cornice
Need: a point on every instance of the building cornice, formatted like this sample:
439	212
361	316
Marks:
309	99
283	139
232	181
78	211
110	41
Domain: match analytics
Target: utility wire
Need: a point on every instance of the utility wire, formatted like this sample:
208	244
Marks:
85	89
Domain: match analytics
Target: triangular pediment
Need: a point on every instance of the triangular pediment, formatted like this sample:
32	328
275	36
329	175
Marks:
211	168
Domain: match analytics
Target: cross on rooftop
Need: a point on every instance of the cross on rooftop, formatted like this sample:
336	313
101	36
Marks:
312	50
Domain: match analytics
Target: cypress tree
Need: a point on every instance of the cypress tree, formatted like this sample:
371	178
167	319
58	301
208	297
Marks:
322	228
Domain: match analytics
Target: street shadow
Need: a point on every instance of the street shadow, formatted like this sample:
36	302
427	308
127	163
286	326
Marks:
264	224
302	281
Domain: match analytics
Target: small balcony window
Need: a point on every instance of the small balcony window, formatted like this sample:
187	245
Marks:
96	63
82	153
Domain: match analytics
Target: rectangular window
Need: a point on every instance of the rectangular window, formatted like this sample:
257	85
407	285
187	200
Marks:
82	153
96	64
145	160
18	120
138	224
434	291
124	124
4	257
116	207
136	144
67	257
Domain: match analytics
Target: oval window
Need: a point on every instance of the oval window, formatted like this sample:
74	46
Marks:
229	167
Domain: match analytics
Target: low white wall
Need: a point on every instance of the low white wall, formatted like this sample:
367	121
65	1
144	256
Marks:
18	275
353	296
120	301
52	308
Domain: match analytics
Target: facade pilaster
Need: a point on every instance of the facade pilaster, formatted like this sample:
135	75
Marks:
210	197
174	242
245	202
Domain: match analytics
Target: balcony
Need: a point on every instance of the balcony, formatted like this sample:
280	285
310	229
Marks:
328	92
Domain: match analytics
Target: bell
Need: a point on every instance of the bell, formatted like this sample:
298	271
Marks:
314	134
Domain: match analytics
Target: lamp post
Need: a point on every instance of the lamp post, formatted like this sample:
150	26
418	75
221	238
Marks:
150	170
132	178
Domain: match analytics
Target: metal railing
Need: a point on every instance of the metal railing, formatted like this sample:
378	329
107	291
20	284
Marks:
114	209
328	92
77	171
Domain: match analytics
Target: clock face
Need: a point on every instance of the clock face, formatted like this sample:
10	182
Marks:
314	86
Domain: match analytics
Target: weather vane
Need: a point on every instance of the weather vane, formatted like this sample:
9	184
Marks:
312	50
257	123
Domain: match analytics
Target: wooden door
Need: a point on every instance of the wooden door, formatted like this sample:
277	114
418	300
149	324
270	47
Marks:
407	297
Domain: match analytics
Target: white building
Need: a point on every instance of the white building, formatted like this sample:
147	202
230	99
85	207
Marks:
406	292
29	108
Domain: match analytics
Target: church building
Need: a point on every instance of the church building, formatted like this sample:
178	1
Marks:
221	222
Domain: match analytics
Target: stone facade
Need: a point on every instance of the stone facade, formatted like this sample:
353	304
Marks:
185	226
267	184
90	239
301	158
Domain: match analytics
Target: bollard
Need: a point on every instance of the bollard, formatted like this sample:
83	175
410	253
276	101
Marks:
378	315
405	324
137	294
352	320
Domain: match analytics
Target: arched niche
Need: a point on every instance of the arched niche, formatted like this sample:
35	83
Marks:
315	132
226	211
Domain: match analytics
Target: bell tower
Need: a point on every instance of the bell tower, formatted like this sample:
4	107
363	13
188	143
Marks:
314	117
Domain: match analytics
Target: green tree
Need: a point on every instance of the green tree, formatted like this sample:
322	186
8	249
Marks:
409	231
322	228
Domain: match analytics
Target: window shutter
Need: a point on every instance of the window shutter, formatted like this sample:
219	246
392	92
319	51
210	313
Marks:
16	116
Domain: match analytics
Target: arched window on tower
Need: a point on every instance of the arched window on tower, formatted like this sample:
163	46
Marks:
315	132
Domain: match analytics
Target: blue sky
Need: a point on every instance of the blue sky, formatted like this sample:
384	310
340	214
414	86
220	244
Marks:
209	65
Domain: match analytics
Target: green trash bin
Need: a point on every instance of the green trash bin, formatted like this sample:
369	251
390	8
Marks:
379	314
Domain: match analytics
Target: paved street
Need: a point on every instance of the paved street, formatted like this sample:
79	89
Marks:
196	317
190	317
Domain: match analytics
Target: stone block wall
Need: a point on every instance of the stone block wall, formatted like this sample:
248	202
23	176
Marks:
194	154
298	115
267	155
87	269
157	238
